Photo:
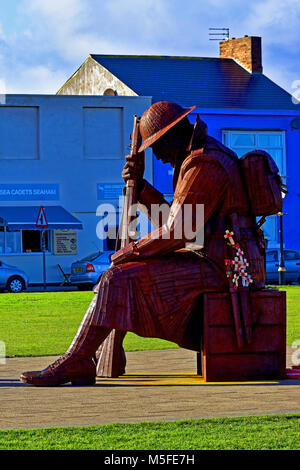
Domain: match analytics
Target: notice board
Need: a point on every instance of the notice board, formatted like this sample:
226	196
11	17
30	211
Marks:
65	242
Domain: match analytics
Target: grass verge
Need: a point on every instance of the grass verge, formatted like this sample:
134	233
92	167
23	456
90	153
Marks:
44	323
278	432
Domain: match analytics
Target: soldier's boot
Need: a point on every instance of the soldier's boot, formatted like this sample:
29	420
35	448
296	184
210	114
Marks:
110	356
77	365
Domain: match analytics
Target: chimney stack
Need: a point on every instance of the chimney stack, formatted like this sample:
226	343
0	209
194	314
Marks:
245	51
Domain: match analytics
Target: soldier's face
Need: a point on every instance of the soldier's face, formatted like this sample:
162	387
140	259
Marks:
163	151
169	146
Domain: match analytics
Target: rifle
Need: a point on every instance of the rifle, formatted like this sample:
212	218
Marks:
130	192
111	353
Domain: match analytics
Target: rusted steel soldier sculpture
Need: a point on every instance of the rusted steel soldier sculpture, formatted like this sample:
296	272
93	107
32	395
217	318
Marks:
153	284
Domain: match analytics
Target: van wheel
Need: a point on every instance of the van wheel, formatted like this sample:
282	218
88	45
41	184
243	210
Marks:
15	284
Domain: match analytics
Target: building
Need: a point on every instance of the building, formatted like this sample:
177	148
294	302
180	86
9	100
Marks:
64	153
242	107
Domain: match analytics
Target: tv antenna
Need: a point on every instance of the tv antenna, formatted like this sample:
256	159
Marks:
223	32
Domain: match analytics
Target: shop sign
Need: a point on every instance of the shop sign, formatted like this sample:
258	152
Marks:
109	190
29	192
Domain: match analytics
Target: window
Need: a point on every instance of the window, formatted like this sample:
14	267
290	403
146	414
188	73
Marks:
1	239
272	256
109	243
10	242
19	132
291	255
270	228
110	92
23	241
103	133
273	142
32	241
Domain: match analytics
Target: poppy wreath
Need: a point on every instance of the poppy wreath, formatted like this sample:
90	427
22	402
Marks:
236	268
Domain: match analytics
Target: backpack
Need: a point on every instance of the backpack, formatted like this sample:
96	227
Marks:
263	182
261	179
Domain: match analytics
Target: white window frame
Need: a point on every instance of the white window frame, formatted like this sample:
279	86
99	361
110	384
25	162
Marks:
227	134
226	139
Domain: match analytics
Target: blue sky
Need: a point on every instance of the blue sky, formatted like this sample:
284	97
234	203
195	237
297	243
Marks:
42	42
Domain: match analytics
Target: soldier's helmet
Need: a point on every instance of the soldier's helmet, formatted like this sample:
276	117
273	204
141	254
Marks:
158	119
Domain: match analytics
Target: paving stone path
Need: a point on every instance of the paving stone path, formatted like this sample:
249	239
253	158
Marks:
159	385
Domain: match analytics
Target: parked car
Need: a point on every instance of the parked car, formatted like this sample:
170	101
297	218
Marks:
12	278
291	262
87	272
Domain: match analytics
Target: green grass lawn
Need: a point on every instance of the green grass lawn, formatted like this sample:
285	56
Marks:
35	324
39	324
244	433
293	313
44	323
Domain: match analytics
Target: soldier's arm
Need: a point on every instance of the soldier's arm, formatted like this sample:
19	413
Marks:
204	181
153	204
148	196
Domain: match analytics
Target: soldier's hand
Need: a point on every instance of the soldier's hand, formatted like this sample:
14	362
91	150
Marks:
134	167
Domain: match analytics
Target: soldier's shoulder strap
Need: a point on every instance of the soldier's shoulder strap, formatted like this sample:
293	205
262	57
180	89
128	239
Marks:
198	156
211	144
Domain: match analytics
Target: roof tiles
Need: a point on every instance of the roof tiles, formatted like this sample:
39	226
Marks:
205	82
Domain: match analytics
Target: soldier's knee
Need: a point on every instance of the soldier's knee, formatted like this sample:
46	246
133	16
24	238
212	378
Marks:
108	275
121	274
112	273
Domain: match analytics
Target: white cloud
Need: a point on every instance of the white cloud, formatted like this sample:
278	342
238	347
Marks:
2	36
55	36
276	21
54	25
74	28
37	80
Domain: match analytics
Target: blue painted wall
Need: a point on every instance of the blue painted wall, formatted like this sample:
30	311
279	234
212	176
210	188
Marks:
68	145
251	120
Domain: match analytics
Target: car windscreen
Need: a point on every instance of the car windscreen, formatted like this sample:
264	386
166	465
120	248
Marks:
104	258
90	257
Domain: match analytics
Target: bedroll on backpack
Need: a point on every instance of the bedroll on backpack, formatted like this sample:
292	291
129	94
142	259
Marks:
263	182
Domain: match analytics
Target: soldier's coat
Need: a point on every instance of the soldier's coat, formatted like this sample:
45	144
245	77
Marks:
152	289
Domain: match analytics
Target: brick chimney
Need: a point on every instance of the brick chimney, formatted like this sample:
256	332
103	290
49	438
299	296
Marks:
245	51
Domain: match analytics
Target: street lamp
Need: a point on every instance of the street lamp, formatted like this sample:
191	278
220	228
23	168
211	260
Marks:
281	266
